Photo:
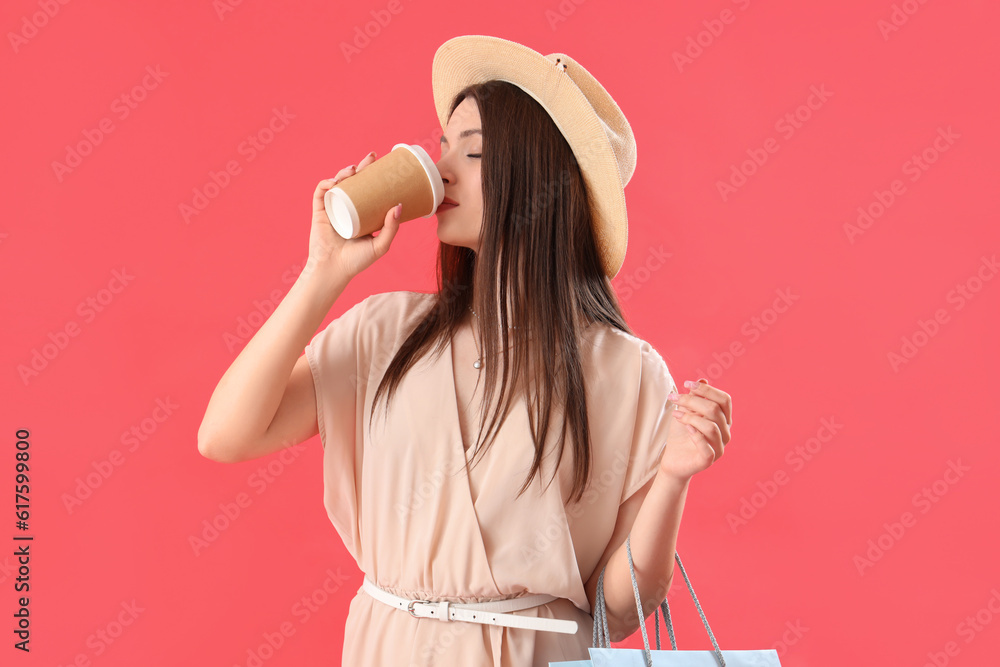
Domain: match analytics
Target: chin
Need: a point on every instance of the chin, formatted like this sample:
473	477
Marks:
458	242
453	232
442	234
446	234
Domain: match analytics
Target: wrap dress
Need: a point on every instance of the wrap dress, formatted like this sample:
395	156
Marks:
422	523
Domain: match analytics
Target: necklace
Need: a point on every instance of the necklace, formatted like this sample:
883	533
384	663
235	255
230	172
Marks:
478	365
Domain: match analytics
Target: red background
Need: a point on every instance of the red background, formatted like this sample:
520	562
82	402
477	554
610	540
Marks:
827	357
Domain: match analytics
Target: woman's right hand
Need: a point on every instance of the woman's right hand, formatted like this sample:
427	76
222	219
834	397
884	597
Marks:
328	248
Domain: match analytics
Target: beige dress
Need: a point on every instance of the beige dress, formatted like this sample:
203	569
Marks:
420	524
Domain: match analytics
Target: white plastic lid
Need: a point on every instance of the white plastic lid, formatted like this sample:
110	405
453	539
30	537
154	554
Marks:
342	213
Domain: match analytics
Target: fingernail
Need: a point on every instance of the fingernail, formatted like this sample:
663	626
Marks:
690	384
398	210
673	396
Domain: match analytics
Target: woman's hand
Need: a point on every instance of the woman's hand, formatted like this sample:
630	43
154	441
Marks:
327	248
698	432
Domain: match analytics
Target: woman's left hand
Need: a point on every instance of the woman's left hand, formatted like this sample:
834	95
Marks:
699	430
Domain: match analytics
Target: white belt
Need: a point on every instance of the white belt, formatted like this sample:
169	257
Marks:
490	613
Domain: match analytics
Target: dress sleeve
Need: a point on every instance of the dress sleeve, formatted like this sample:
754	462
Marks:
339	364
650	433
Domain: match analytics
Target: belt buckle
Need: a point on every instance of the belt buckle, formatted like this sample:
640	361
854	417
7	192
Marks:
409	607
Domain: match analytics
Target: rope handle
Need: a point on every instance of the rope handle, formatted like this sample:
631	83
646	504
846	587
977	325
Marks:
602	637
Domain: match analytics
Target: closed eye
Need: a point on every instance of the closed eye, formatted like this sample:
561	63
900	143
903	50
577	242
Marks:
474	155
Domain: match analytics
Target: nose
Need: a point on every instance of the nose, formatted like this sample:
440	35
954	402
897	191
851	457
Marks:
444	169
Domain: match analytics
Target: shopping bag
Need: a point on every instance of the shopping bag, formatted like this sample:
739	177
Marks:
602	655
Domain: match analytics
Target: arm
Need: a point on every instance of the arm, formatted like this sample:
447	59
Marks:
697	431
654	540
266	400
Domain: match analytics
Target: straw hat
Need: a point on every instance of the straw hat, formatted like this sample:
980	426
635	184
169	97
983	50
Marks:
587	116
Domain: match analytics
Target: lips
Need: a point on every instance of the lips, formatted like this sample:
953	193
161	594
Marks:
448	201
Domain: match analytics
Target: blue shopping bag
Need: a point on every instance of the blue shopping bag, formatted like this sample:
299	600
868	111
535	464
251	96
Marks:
602	655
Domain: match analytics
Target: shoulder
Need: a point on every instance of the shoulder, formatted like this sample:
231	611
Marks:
398	305
624	350
400	298
625	364
384	318
371	327
379	314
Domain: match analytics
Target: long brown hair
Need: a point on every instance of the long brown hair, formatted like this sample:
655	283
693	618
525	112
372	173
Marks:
537	242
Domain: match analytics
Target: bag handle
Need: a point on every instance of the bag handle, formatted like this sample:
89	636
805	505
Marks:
602	636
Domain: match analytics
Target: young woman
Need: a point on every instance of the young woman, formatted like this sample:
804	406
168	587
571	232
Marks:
488	447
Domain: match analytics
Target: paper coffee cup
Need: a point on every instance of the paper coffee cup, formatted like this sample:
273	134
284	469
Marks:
358	204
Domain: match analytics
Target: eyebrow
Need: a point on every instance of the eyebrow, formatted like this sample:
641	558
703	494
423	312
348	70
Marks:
463	135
